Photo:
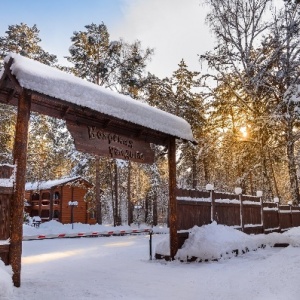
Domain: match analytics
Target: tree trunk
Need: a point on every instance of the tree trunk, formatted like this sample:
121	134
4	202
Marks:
194	169
129	203
147	208
97	191
116	214
112	191
154	213
290	149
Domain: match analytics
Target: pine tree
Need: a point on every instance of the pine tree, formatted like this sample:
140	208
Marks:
131	72
113	64
179	95
94	56
257	61
242	67
25	40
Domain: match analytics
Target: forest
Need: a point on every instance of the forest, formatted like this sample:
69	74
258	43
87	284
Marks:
242	104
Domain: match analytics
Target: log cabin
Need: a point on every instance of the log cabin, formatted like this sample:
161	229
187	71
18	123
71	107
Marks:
51	200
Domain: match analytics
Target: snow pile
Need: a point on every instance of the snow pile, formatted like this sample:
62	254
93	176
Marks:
54	227
6	284
291	237
215	241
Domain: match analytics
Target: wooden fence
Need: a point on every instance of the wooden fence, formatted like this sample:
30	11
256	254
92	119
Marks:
6	191
244	212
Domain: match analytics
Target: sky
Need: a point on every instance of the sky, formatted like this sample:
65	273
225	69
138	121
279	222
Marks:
175	29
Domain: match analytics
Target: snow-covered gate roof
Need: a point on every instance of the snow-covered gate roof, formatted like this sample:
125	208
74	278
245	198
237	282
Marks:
62	95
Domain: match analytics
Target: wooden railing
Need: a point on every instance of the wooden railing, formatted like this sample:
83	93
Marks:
244	212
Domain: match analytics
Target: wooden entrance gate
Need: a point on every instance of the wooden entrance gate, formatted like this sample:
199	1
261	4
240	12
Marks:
102	122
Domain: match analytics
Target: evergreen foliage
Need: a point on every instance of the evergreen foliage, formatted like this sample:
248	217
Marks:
243	113
24	40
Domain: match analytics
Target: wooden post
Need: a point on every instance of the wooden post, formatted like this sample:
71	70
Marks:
213	205
51	203
172	198
278	214
262	215
20	156
291	212
241	212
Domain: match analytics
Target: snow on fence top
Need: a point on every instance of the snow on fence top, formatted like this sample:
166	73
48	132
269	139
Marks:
52	82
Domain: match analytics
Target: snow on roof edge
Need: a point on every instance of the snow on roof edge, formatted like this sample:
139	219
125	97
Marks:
50	81
44	185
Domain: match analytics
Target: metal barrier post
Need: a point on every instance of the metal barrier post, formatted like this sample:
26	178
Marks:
150	244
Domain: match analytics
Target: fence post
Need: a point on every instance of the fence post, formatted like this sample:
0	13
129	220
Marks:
290	203
259	194
241	212
238	191
210	188
279	218
276	200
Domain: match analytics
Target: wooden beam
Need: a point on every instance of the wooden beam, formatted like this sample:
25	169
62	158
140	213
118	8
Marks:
11	77
6	69
20	155
172	197
106	123
64	111
10	95
2	79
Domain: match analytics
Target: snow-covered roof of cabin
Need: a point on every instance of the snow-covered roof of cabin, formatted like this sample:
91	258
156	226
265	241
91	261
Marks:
45	185
52	82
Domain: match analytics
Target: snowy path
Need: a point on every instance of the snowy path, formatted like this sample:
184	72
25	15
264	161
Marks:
119	268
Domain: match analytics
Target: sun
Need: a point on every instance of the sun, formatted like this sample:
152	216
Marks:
243	131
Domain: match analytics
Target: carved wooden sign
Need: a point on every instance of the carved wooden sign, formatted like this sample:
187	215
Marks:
93	140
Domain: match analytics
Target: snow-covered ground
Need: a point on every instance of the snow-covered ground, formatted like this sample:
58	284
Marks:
118	267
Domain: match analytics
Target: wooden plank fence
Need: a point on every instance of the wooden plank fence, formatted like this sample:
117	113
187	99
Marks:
5	199
244	212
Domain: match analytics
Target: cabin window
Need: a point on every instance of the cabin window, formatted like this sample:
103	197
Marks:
56	202
46	195
34	213
35	196
56	214
56	195
45	214
92	214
